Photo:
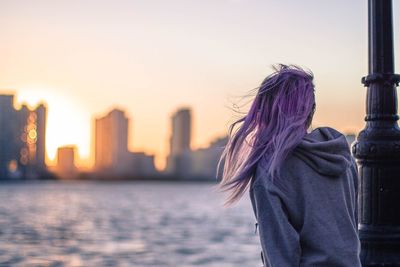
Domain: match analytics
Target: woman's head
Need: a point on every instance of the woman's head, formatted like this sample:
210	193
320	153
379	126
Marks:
277	120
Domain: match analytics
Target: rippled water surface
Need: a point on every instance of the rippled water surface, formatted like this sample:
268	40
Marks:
124	224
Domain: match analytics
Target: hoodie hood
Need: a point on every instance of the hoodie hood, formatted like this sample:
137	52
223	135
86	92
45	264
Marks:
325	150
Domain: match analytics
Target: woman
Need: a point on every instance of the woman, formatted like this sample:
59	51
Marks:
302	185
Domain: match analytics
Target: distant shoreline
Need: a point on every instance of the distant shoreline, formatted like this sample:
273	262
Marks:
38	181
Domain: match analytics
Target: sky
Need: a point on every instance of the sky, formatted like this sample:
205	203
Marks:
151	57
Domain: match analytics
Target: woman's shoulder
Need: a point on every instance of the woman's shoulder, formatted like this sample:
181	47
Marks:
287	180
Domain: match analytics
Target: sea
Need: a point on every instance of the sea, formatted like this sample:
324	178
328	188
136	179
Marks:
131	223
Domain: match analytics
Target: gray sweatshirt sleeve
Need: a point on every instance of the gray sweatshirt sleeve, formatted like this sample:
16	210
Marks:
279	240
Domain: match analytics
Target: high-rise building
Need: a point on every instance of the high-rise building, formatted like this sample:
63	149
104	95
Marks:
111	142
41	135
66	162
181	132
22	140
8	136
112	156
178	161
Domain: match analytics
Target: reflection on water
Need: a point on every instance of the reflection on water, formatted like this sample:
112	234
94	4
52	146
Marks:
123	224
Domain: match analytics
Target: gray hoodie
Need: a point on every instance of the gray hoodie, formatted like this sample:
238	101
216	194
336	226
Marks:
308	217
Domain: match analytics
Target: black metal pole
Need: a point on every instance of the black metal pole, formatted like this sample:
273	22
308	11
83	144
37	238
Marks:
377	148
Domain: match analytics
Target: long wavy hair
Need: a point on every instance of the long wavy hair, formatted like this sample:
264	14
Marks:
276	122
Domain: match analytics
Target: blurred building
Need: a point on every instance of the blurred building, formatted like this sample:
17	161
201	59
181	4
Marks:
66	168
111	142
41	135
181	132
205	160
142	165
178	161
111	148
22	140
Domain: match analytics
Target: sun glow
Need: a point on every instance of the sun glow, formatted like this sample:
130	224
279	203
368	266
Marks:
67	122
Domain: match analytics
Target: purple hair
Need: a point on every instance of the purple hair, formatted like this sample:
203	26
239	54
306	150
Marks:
277	120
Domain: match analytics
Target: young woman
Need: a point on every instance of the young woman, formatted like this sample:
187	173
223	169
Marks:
302	185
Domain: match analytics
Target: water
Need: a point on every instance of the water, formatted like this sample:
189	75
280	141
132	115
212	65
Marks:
124	224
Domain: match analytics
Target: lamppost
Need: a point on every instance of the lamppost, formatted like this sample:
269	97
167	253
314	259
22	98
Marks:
377	148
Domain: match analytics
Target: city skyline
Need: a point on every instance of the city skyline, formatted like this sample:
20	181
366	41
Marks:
112	155
24	137
152	56
181	121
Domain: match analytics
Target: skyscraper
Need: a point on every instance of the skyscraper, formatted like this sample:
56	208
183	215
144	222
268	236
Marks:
178	161
41	135
181	132
8	137
111	142
112	156
22	140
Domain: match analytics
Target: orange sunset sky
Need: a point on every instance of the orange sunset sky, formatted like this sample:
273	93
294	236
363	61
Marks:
151	57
